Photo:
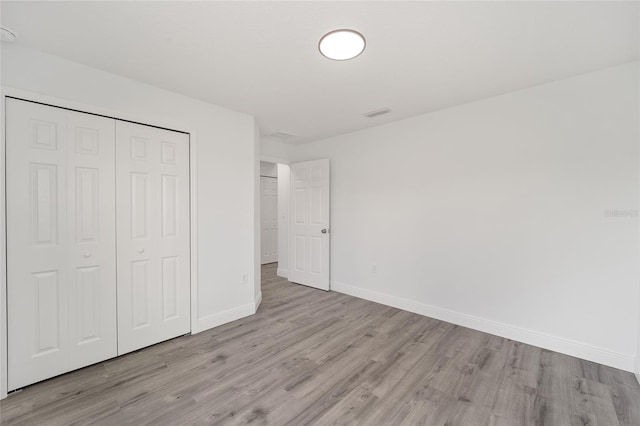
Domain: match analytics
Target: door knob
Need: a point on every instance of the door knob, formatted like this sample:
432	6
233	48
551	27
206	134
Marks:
140	250
325	231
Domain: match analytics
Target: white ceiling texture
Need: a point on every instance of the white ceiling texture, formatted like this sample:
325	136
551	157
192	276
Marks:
262	57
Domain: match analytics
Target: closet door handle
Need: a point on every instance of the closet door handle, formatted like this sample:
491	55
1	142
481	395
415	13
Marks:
140	250
87	255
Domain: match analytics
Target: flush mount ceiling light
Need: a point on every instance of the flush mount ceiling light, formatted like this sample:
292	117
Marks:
341	45
7	35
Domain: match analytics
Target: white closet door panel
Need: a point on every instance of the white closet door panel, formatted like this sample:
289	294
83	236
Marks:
91	227
61	241
153	235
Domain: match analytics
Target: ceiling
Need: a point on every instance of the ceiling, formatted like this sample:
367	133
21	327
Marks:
262	57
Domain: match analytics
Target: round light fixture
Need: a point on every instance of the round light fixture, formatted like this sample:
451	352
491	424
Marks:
341	45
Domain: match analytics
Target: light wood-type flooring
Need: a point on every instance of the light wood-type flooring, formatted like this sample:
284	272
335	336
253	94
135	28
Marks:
314	357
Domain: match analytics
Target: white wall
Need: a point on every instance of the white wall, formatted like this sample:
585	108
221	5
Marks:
638	357
637	372
227	167
268	169
3	254
257	235
274	149
493	214
283	220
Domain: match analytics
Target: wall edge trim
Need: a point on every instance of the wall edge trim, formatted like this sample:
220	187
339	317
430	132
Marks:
520	334
224	317
257	302
283	273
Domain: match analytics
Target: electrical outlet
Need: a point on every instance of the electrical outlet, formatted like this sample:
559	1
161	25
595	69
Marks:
244	278
374	268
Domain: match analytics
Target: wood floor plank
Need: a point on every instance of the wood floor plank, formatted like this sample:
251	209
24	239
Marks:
323	358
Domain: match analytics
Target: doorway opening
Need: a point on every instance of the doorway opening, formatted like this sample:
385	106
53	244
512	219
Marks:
274	215
268	213
294	220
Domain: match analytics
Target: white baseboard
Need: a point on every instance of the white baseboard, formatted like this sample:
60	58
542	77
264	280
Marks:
531	337
224	317
284	273
257	302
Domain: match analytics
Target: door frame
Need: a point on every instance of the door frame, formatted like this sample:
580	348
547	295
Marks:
274	160
150	120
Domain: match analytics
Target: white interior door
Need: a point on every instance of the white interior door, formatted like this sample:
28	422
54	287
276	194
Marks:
153	235
309	224
61	241
269	219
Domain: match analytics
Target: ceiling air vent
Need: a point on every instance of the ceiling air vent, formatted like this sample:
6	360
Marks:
282	135
377	112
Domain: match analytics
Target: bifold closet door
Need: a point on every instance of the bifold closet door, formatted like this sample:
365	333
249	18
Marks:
152	186
61	256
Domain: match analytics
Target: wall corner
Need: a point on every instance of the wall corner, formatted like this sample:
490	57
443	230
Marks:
257	276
